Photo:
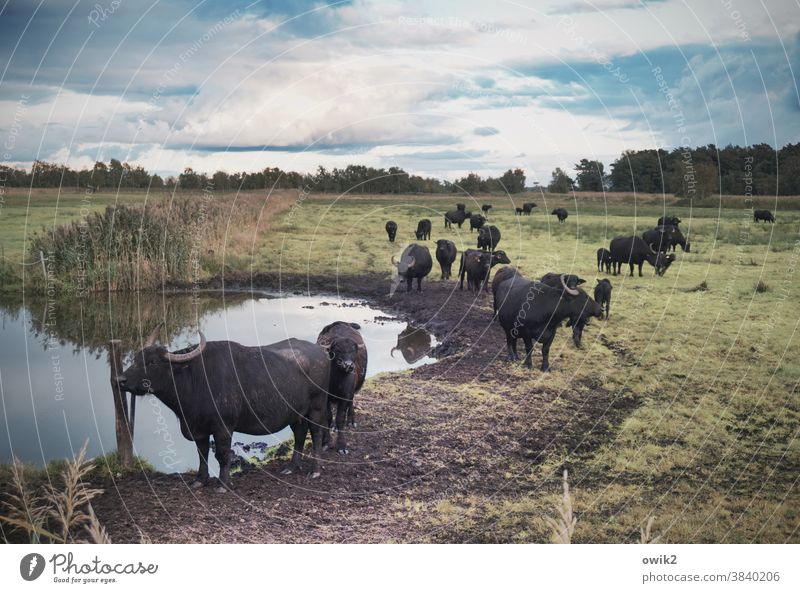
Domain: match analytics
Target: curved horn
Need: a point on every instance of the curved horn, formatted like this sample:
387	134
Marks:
413	261
391	352
394	263
572	291
170	357
151	340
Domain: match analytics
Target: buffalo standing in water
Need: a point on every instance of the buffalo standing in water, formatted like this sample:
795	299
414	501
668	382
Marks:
348	355
218	388
415	262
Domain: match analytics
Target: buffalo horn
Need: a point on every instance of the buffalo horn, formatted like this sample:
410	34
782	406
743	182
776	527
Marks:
170	357
569	290
151	340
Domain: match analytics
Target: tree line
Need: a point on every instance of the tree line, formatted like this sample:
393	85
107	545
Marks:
687	172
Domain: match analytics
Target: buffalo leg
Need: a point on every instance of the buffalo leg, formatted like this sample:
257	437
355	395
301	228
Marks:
419	284
511	343
608	306
342	409
327	440
409	282
299	430
528	352
640	269
315	424
202	451
546	352
222	444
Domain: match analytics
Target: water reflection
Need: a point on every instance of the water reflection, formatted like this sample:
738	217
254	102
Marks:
413	343
54	375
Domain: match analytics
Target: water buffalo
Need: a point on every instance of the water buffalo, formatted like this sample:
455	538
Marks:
602	294
476	222
518	211
527	207
415	262
604	260
413	343
665	237
669	221
561	213
635	251
485	209
764	215
468	255
445	255
533	311
566	282
423	231
455	216
348	355
391	230
488	237
218	388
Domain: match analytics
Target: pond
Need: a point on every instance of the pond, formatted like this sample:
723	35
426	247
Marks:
54	372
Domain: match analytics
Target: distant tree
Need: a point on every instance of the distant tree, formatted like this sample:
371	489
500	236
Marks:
561	183
590	176
513	181
189	179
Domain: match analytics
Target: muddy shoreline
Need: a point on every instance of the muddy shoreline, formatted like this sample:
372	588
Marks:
468	426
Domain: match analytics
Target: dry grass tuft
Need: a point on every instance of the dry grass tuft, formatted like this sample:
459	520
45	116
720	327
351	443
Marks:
645	533
761	286
563	527
58	513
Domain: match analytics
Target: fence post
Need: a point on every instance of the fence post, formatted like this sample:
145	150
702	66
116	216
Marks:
121	419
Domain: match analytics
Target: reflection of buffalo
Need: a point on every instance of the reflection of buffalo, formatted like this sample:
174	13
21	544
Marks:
413	343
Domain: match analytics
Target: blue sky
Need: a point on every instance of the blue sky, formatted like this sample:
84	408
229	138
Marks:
437	88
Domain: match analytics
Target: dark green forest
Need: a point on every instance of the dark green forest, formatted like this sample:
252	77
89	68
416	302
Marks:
687	172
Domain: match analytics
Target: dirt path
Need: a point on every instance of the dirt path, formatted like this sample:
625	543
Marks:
469	425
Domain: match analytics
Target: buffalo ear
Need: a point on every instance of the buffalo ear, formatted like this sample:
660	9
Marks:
581	281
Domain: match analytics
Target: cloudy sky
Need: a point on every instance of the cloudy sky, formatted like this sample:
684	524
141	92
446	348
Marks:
438	88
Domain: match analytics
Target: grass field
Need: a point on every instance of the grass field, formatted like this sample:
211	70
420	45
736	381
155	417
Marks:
710	362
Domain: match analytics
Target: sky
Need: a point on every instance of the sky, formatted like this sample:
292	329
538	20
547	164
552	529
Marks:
438	88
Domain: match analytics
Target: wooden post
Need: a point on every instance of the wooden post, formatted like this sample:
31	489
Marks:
121	420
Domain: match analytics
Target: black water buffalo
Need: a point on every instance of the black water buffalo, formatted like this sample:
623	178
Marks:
665	237
423	231
455	216
348	355
391	230
635	251
413	343
461	207
527	207
533	311
468	258
445	255
764	215
485	209
476	221
604	260
567	282
518	211
602	294
561	213
488	237
218	388
668	221
415	262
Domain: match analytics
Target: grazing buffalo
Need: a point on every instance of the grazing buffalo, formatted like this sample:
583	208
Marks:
445	255
669	221
468	257
527	207
476	222
423	231
415	262
665	237
602	294
604	260
348	355
455	216
533	311
413	343
561	213
461	207
391	230
488	237
635	251
518	211
764	215
218	388
485	209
